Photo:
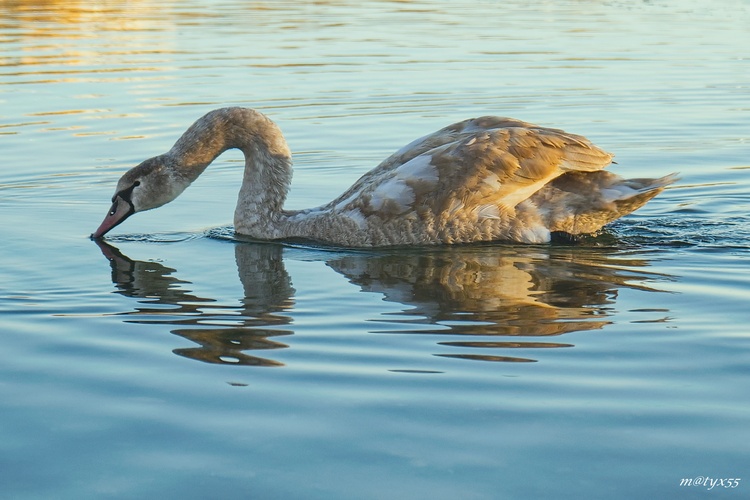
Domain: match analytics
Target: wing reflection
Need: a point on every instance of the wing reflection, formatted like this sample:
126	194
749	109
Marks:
497	291
488	291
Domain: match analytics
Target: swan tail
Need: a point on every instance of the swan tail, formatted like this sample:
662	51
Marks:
584	202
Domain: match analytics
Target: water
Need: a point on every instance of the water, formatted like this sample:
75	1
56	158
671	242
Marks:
179	362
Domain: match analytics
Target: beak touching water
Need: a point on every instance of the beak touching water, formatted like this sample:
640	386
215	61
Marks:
121	209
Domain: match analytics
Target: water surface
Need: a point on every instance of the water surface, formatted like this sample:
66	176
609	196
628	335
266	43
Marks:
176	360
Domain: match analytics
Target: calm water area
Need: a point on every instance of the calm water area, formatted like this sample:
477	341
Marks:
175	360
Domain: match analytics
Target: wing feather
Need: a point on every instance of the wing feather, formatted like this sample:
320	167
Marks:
471	166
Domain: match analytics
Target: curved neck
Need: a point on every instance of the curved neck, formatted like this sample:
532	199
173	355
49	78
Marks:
268	163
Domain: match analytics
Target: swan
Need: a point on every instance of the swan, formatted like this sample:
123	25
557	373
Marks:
481	179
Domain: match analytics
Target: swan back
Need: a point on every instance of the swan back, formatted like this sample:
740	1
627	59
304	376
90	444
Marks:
464	182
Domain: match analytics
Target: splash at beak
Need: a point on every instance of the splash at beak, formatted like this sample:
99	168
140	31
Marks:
121	209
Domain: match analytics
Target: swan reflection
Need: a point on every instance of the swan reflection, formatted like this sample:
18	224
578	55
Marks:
509	296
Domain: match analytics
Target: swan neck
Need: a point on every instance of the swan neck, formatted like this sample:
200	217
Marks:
268	164
228	128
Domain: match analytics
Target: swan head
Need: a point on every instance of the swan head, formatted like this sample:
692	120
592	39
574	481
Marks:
153	183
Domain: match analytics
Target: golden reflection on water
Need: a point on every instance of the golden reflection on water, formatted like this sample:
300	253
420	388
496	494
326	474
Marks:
46	18
491	291
55	42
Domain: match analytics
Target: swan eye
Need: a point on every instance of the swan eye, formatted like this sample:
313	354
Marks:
125	194
114	208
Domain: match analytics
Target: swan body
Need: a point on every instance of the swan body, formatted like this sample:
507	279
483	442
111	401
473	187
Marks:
481	179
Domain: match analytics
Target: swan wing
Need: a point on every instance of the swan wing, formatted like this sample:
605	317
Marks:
485	166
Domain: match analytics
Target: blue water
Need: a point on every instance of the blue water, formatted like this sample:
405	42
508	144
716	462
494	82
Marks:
177	361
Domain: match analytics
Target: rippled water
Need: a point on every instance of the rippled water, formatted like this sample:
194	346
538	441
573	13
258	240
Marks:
176	361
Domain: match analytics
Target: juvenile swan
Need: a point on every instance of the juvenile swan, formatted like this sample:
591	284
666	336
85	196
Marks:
481	179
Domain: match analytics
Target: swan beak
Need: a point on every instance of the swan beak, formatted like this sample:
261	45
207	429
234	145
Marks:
120	210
